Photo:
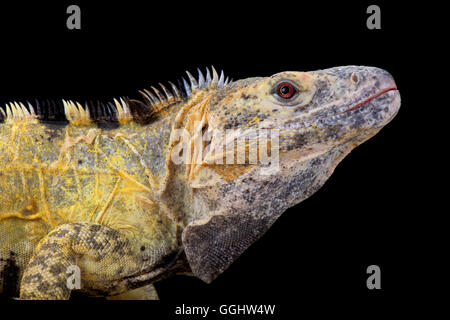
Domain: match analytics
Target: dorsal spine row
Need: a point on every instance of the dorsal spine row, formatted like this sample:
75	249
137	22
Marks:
122	110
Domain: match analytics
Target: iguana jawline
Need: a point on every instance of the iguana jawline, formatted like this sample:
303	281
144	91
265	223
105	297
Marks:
366	101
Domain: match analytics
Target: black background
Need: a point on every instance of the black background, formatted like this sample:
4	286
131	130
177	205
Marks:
375	207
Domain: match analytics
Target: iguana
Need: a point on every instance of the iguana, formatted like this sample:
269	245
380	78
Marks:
136	190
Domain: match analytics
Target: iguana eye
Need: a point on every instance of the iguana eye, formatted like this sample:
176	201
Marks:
285	90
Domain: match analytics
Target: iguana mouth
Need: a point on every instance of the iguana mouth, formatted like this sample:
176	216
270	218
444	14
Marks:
366	101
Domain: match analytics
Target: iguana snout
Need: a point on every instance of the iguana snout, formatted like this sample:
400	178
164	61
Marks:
350	103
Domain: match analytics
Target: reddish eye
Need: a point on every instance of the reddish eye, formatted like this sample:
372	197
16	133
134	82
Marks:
285	90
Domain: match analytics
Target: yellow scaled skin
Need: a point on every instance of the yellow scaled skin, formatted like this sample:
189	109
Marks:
54	176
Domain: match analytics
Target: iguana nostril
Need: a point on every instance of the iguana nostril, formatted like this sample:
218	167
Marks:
354	78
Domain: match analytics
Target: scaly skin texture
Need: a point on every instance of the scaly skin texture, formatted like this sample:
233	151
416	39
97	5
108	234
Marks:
112	200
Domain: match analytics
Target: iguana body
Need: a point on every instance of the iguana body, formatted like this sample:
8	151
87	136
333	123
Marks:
101	189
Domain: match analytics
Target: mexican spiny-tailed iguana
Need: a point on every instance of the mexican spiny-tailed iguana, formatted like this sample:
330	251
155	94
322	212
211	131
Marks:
134	191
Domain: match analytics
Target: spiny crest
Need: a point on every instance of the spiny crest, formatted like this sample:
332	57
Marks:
78	115
75	113
68	111
121	110
185	89
17	111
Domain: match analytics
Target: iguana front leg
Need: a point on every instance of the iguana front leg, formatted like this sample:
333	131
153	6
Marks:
102	253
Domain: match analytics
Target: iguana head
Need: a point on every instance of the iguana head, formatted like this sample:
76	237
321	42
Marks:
309	108
316	119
